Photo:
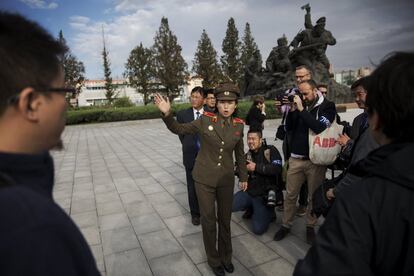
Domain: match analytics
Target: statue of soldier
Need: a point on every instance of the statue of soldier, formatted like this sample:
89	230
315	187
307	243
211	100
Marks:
313	42
278	63
252	75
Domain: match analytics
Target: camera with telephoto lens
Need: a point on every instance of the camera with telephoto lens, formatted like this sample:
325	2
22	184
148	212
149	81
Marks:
290	94
271	199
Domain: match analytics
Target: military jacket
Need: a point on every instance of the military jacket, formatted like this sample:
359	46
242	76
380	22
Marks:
214	165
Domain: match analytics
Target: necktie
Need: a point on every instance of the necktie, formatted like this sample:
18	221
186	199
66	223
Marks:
197	138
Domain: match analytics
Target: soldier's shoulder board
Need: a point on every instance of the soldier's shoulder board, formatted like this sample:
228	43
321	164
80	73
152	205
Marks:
238	121
209	114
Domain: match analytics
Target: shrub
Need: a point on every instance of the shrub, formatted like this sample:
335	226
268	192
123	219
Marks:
123	102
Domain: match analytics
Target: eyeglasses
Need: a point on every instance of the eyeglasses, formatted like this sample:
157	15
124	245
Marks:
301	77
61	90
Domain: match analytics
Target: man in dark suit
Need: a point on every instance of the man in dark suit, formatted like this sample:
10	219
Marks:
191	146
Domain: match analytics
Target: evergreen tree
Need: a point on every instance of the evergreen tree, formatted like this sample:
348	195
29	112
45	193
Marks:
170	66
109	87
249	52
74	70
139	70
205	62
248	48
230	60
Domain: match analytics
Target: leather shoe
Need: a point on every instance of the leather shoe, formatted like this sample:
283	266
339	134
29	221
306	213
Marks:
228	267
310	235
195	220
218	270
281	234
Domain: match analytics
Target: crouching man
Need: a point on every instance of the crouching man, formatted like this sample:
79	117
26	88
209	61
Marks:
264	165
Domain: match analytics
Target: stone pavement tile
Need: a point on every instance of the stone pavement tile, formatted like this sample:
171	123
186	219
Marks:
136	209
118	240
63	186
299	228
161	176
62	193
86	219
107	197
278	267
132	197
265	237
181	225
174	264
239	269
171	209
147	223
98	255
83	205
250	252
157	244
290	248
137	174
128	263
82	174
83	195
236	230
126	187
151	188
182	199
114	221
83	179
111	207
104	188
86	187
145	181
91	235
170	181
160	198
194	247
176	188
64	203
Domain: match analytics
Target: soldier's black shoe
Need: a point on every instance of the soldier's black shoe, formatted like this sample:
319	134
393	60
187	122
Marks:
281	234
310	235
228	267
218	270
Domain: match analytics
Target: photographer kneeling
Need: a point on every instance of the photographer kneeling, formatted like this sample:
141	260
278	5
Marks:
264	165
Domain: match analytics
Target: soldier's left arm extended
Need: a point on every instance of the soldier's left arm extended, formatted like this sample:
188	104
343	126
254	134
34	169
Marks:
184	128
274	167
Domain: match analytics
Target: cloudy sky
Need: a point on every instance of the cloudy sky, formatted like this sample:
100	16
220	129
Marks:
365	30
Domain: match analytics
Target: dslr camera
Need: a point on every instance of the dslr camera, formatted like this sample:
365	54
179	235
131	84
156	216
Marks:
290	94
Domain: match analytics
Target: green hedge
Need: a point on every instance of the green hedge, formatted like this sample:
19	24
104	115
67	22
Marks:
113	114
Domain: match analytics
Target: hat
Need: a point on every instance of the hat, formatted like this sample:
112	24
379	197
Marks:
227	91
321	21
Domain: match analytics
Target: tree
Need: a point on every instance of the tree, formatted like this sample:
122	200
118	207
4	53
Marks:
170	66
74	70
205	62
248	48
109	87
230	60
140	70
349	79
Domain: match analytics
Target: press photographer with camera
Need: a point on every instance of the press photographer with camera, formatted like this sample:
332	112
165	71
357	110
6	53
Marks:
264	166
308	111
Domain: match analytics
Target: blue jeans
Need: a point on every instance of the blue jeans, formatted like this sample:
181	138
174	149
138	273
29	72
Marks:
262	215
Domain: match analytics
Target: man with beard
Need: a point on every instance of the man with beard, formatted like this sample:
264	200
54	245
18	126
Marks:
307	112
370	228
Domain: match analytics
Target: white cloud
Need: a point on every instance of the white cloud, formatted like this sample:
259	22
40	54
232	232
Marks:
40	4
135	21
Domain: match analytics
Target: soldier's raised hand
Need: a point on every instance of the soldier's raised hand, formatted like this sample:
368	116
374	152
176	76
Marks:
163	104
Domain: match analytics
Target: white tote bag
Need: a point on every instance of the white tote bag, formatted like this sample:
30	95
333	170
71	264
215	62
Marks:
323	149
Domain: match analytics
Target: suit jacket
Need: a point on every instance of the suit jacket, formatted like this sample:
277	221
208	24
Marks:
188	141
214	165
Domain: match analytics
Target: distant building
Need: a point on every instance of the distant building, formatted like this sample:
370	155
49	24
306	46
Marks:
347	77
191	83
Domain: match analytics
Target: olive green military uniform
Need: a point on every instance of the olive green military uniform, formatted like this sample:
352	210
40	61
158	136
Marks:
213	174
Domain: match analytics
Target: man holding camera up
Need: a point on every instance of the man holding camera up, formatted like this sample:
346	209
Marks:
308	111
264	165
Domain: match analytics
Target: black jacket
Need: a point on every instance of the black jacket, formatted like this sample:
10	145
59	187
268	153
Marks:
255	118
370	229
299	123
189	142
266	174
36	236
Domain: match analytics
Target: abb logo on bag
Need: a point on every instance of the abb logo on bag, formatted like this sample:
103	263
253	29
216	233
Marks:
325	143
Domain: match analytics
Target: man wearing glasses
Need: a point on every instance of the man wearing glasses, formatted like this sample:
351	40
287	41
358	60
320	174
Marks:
37	236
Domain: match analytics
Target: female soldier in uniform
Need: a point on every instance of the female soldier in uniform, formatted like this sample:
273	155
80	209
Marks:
220	134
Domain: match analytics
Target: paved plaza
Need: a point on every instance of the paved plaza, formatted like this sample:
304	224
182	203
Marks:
124	186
